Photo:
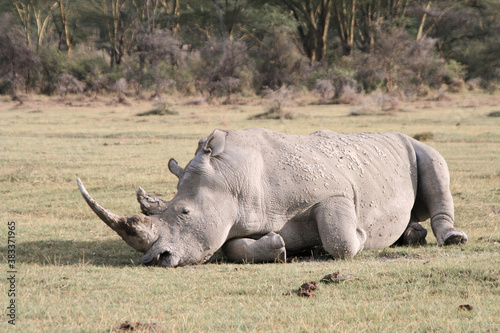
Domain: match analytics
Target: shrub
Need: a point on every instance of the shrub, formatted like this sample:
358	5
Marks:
156	59
94	71
339	80
279	60
325	88
397	63
424	136
189	72
275	111
54	63
19	65
228	68
67	83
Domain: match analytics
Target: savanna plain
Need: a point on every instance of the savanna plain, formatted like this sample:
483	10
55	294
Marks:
74	274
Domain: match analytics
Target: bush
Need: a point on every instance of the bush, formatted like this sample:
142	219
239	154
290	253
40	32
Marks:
54	63
279	61
158	54
229	69
397	63
19	65
94	71
338	81
275	111
67	83
189	72
325	88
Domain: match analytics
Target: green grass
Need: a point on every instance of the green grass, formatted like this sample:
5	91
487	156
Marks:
76	275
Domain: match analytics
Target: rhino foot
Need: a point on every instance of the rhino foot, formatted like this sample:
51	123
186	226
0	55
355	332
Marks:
455	237
414	234
275	248
268	248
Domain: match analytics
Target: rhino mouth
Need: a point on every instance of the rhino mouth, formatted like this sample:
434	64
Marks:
163	259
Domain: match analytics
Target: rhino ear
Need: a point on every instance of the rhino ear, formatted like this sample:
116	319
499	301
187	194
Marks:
175	168
215	143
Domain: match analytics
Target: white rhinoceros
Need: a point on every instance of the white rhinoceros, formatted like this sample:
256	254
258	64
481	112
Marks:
257	194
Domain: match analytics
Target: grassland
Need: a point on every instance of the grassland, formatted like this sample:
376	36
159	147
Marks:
75	275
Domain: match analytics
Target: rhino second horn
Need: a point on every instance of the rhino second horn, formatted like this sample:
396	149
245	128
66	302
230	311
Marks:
175	168
137	230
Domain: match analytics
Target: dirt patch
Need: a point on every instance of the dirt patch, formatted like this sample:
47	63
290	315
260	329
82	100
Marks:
162	109
336	277
275	111
139	327
307	289
466	307
424	136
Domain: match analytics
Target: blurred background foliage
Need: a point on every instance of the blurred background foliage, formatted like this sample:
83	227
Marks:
219	48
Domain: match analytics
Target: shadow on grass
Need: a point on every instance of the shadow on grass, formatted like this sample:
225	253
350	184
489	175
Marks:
59	253
116	253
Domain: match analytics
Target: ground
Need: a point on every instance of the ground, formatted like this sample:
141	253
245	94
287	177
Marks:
75	274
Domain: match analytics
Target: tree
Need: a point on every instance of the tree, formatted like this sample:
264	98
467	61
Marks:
158	54
451	22
35	12
65	12
278	68
228	67
116	20
313	18
398	63
344	15
17	61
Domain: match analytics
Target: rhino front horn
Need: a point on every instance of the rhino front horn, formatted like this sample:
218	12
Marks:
138	231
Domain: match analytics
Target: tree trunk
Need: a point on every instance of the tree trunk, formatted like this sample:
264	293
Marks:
344	13
313	17
222	25
65	23
24	13
176	29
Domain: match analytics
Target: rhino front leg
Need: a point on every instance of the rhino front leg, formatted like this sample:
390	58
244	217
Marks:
269	248
337	226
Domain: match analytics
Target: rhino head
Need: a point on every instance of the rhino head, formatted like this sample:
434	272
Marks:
191	226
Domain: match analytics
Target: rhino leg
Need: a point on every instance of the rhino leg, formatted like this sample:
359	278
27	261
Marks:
337	226
151	205
434	192
268	248
414	234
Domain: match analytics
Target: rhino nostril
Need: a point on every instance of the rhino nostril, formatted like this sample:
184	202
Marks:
165	259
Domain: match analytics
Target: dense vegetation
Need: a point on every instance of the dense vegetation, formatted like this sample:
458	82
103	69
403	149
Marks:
226	48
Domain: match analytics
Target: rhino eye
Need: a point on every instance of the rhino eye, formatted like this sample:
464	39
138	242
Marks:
185	211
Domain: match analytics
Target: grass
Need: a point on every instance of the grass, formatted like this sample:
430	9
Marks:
76	275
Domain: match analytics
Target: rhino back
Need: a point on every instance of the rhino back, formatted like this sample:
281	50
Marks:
292	173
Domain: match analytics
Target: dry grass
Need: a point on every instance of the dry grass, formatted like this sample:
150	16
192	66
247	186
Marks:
76	275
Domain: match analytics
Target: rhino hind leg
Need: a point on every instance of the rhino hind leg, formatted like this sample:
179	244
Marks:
151	205
268	248
337	226
434	192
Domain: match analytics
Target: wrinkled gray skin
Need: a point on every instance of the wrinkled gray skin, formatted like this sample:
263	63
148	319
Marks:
259	194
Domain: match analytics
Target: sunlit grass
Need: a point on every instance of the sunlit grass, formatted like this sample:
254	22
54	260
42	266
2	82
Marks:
76	275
